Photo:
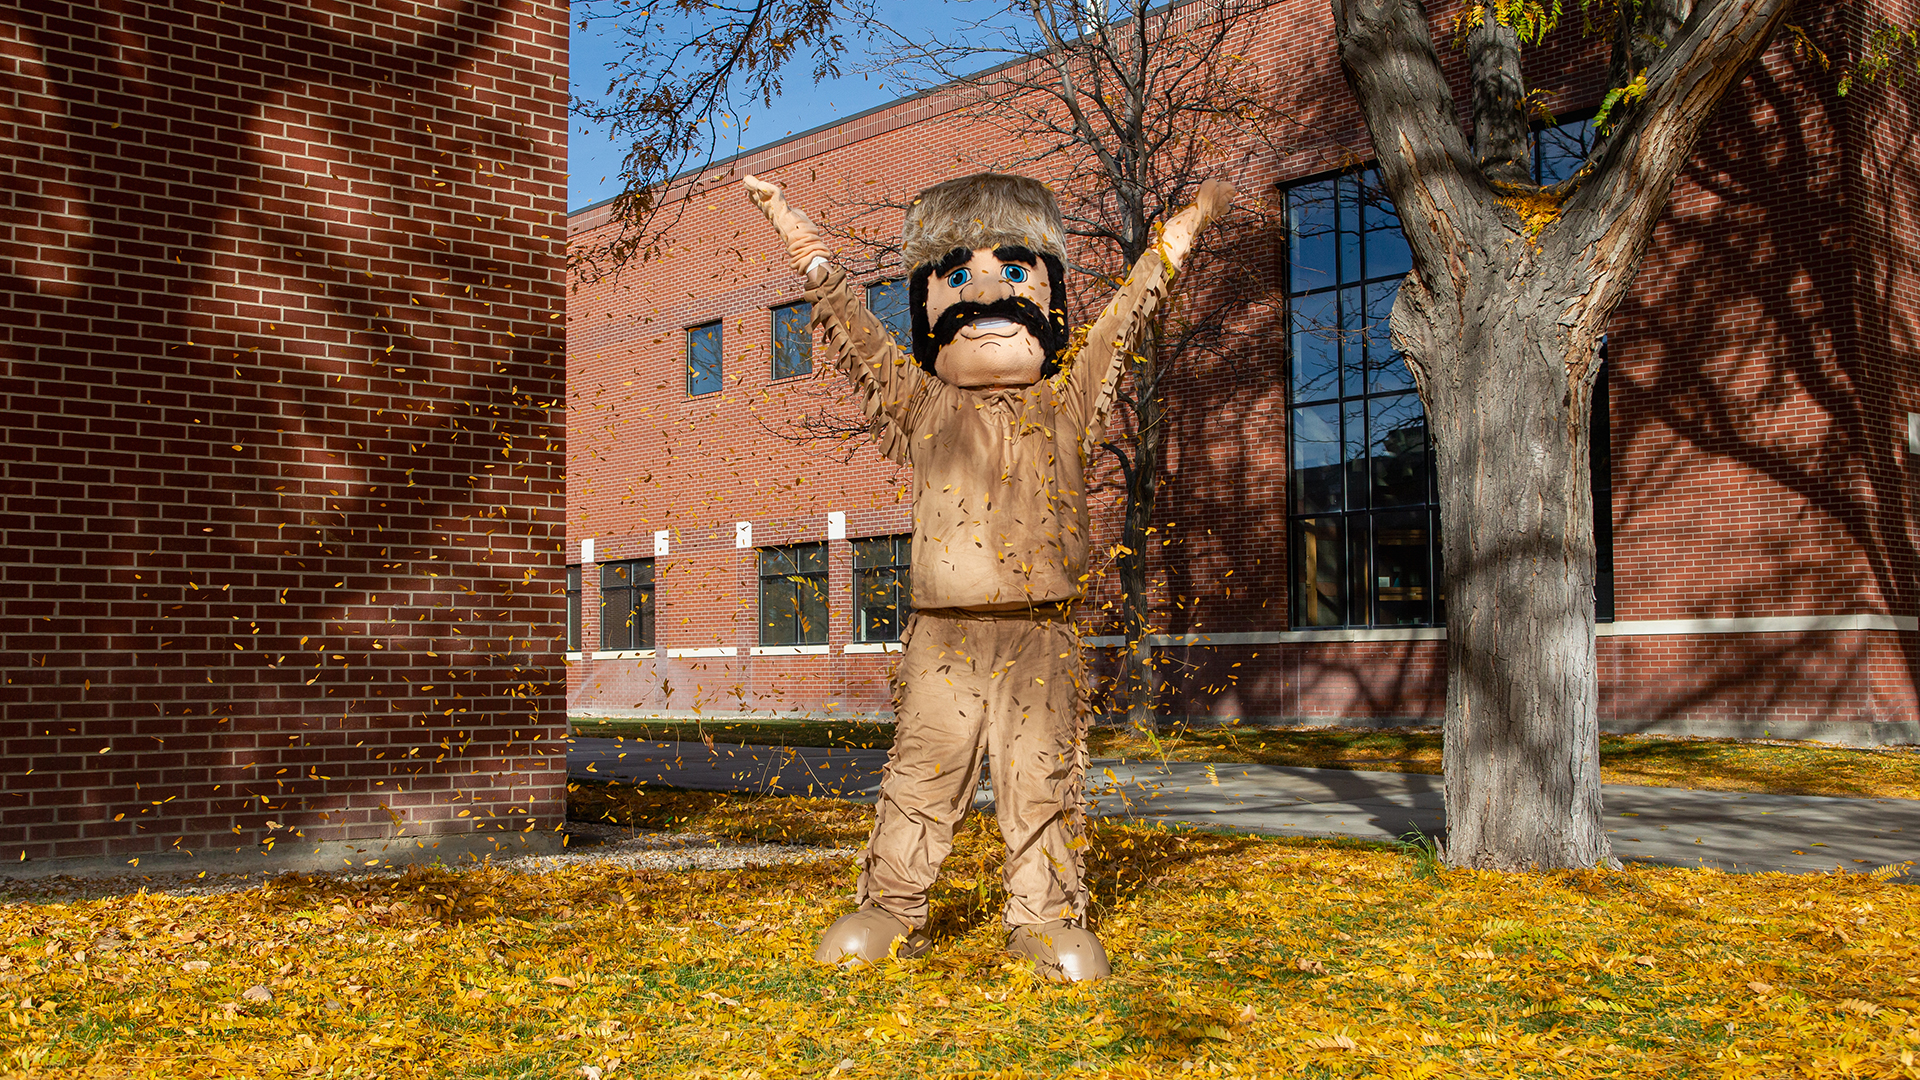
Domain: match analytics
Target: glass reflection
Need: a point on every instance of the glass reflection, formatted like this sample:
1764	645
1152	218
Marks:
1310	229
1386	371
1319	574
1316	348
1398	447
1400	579
1316	459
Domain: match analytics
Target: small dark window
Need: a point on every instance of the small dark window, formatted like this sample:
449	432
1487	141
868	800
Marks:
703	359
573	609
792	340
882	587
793	595
888	302
626	605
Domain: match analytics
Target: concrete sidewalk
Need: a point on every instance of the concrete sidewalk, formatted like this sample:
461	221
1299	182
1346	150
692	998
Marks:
1668	826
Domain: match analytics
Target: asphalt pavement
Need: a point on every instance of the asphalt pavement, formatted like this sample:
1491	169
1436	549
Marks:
1734	831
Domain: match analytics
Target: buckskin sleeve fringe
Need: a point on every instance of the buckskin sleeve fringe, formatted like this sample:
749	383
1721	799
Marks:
889	381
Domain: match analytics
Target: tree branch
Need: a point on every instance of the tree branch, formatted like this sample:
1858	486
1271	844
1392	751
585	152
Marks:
1608	220
1502	135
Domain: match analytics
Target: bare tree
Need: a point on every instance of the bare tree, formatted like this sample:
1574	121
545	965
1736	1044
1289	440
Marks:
1129	107
1500	322
674	96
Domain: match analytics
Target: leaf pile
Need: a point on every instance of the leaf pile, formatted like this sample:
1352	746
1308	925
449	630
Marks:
1234	956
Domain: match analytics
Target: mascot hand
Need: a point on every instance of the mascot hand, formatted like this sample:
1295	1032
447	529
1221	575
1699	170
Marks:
1215	198
803	238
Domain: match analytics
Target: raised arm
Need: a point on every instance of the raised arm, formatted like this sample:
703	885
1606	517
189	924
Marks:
1096	370
891	385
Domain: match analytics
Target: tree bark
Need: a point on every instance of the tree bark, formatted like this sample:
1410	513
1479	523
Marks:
1502	131
1522	739
1500	322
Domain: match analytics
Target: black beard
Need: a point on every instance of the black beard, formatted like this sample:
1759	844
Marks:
1018	309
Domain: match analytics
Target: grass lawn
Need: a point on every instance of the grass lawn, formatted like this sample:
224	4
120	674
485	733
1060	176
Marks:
1717	764
1234	956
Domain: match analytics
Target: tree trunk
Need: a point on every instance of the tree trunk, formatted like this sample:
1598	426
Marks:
1500	322
1142	487
1522	738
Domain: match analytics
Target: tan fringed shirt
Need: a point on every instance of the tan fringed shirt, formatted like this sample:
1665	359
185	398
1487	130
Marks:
1000	490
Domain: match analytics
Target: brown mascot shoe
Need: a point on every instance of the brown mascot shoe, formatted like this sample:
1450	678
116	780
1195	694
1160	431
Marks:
1061	951
867	937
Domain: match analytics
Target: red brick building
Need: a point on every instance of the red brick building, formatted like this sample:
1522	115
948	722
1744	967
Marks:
283	497
1757	469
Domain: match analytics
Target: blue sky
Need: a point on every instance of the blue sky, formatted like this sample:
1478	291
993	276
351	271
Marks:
593	162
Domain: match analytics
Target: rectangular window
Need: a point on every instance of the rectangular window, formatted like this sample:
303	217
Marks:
626	605
882	587
888	302
792	340
793	595
703	359
573	609
1365	529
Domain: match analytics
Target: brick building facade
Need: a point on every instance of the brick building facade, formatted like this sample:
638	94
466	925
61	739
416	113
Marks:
283	497
1759	525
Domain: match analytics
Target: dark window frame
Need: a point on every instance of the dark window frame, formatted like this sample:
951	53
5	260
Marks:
792	330
792	594
628	602
1307	531
1363	524
889	584
702	378
573	607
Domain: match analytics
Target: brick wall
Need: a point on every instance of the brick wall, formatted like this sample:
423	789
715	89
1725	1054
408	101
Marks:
282	503
1760	369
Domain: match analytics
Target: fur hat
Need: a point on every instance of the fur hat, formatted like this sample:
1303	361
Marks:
985	210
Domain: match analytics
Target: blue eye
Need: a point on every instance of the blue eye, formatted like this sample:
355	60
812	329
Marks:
1015	274
958	278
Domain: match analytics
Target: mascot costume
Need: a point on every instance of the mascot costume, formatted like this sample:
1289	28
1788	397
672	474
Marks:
997	410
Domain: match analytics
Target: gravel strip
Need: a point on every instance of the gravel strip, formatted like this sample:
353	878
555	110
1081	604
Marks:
587	842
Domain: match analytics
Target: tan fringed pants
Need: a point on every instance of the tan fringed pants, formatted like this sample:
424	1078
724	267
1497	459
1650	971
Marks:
1009	685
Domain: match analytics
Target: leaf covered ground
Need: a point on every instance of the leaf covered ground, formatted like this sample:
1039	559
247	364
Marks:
1235	956
1780	768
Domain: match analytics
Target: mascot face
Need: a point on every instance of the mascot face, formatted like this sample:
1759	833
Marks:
987	313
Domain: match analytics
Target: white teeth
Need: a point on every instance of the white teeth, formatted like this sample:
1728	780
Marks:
993	323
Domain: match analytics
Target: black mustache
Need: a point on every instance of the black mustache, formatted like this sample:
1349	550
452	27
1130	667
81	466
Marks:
1019	309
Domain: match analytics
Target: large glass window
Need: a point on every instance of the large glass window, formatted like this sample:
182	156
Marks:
1365	536
888	301
793	595
792	340
882	587
1364	525
573	609
626	605
703	359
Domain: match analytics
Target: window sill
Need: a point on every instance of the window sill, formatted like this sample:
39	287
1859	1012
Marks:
789	650
626	654
857	647
722	650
